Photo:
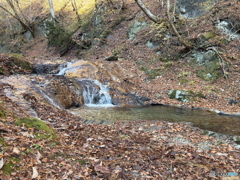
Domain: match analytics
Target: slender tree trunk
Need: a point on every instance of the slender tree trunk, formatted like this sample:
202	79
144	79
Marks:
51	9
75	8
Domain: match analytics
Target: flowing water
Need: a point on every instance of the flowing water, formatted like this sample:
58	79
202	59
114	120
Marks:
95	93
200	118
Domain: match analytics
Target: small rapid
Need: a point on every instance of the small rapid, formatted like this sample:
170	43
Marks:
95	93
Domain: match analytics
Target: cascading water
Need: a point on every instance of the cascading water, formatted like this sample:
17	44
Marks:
95	93
63	68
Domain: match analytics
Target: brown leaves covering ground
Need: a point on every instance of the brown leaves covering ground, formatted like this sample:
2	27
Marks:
123	150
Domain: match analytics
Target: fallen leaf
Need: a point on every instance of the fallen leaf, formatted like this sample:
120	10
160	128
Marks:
35	173
38	156
101	169
16	150
27	134
1	163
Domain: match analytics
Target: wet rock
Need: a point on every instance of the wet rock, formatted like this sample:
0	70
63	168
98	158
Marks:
231	101
193	8
118	88
111	58
65	92
45	68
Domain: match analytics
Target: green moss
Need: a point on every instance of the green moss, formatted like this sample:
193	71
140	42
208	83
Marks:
81	162
38	124
23	64
205	132
16	56
209	75
7	168
167	65
237	140
2	111
1	71
2	114
191	82
208	35
151	73
14	160
185	95
2	142
182	81
172	94
163	59
209	69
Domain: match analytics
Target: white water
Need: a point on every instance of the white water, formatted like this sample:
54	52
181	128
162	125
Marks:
63	70
95	94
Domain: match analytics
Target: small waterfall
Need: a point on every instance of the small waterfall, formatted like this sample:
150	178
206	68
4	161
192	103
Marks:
63	68
95	93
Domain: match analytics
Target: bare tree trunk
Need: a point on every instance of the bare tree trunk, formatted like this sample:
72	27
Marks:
51	9
26	25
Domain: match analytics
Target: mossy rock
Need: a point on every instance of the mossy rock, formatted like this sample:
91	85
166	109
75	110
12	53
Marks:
23	64
185	95
14	63
210	71
151	73
209	68
38	124
208	35
135	27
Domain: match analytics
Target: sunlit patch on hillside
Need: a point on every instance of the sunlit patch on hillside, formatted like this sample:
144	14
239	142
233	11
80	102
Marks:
83	6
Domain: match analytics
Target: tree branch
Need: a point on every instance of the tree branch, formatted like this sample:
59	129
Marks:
157	20
147	12
186	44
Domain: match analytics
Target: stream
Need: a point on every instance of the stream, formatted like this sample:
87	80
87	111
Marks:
203	119
73	86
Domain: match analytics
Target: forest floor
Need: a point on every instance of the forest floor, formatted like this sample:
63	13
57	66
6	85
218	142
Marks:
124	150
